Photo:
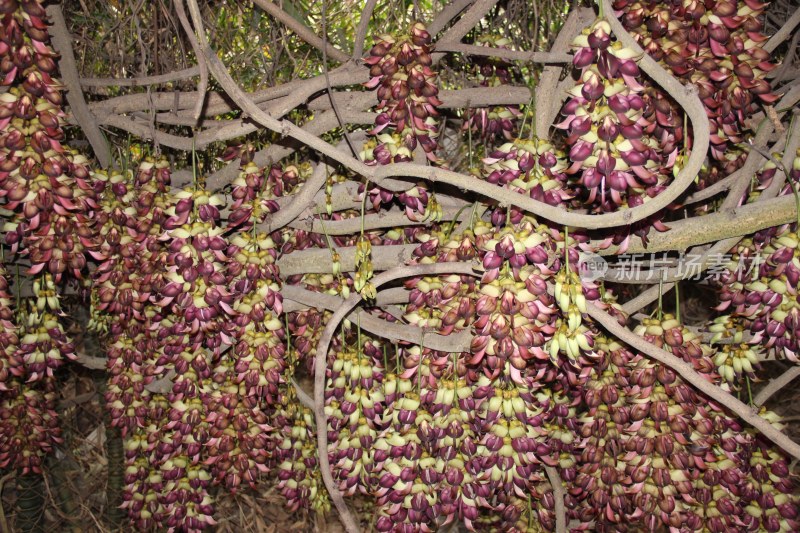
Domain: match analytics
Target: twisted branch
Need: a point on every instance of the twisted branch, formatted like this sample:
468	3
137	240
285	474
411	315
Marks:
302	31
320	366
775	385
62	42
687	372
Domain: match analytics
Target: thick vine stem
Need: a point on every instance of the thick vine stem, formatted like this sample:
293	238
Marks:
723	224
775	385
687	372
471	18
318	260
320	366
217	103
449	12
455	342
783	33
141	81
548	99
202	87
299	202
361	31
62	42
382	220
558	496
451	99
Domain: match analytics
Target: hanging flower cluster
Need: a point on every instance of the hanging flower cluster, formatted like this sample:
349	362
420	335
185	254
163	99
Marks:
45	184
764	293
614	159
492	123
657	454
531	167
460	436
714	46
205	364
400	68
49	205
30	354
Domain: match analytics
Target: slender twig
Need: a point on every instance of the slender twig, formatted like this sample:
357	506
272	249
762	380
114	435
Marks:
320	368
688	373
775	385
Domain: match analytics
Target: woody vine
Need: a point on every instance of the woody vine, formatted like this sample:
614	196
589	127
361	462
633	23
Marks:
384	301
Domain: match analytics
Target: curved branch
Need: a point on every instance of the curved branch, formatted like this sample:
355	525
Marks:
272	153
558	496
382	220
455	342
783	33
142	80
302	395
300	201
202	87
317	260
320	367
775	385
723	224
62	42
548	98
687	372
361	31
448	13
302	31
